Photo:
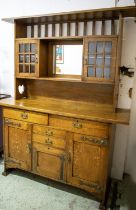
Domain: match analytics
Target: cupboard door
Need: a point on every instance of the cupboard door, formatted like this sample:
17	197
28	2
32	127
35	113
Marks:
17	137
49	162
27	58
87	168
100	59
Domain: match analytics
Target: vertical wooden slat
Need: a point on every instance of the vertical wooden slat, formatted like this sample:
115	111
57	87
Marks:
39	30
53	29
112	27
60	29
76	28
68	29
93	28
85	28
118	62
32	30
103	28
46	30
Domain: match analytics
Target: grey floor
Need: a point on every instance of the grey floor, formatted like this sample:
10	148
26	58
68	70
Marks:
24	191
127	189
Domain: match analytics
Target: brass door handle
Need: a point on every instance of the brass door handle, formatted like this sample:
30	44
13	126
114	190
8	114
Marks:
24	116
48	141
36	58
77	124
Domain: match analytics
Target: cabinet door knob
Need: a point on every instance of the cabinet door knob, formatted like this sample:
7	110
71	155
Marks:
77	125
48	141
36	58
24	116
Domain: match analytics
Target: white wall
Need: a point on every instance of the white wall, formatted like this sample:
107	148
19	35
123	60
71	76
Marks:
21	8
123	139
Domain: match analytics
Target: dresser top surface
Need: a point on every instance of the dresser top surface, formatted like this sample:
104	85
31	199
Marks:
81	110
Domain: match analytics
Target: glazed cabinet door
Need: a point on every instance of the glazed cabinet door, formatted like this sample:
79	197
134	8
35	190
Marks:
87	168
27	58
49	162
99	59
17	141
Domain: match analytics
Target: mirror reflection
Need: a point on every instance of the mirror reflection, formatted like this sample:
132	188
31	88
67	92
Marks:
68	59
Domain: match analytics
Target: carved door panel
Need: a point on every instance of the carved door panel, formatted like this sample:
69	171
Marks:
17	137
49	162
88	166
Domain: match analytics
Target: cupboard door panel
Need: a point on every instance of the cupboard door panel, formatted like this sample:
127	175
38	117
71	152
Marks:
49	162
88	165
86	162
17	145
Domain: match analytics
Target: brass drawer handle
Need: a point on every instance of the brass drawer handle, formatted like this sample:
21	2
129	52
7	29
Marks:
77	124
103	142
10	123
24	116
49	133
48	141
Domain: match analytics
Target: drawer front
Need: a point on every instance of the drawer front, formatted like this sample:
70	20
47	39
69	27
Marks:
49	131
26	116
49	141
80	126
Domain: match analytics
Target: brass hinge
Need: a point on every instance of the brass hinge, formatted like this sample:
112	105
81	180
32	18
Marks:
29	145
66	157
92	185
101	142
10	123
12	162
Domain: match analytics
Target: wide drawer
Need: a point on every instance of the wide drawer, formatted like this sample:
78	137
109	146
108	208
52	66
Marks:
26	116
59	143
80	126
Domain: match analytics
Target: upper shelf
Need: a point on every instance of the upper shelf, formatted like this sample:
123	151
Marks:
97	14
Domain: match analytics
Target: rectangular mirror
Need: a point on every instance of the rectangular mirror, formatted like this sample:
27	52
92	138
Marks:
68	60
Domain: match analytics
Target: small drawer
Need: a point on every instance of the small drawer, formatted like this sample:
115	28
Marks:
49	131
91	140
50	141
26	116
80	126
